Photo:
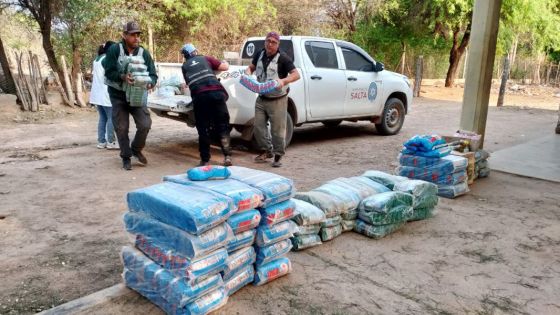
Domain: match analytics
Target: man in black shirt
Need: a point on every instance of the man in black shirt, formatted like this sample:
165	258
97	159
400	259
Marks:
272	64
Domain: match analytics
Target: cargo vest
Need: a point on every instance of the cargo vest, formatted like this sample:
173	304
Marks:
120	62
198	73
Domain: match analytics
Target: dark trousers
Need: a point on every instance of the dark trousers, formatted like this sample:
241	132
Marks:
212	120
121	121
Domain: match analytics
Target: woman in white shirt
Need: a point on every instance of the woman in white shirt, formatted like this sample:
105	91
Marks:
100	98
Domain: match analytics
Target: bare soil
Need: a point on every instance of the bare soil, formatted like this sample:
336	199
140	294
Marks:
493	251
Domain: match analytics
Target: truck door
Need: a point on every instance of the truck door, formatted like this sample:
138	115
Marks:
363	85
325	80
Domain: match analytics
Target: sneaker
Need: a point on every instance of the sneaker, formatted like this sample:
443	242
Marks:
126	165
277	162
101	145
140	157
203	163
112	146
261	158
227	161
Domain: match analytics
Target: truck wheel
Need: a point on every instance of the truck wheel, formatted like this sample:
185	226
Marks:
393	117
331	123
289	132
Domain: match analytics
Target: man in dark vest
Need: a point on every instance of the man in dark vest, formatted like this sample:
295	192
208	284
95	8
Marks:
272	64
209	99
118	80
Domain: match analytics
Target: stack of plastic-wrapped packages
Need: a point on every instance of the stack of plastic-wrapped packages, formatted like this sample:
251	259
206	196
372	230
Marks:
272	240
308	219
137	92
427	158
481	168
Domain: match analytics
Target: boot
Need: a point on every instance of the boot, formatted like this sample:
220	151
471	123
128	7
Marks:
226	150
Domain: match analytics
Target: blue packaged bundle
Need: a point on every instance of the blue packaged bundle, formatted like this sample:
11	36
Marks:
386	208
267	235
433	176
424	143
183	243
307	214
447	164
256	86
349	197
275	188
383	178
436	153
417	161
208	172
269	253
278	212
238	260
208	302
452	191
244	196
192	209
272	270
153	277
241	240
179	265
239	280
244	221
329	204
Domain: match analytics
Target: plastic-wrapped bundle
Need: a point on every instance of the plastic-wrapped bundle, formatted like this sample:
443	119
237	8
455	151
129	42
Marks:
241	240
244	196
366	186
424	193
348	196
417	161
386	208
383	178
238	260
208	172
277	213
424	143
269	253
481	155
136	67
173	80
192	209
208	303
179	265
422	213
331	205
185	244
241	279
274	187
308	229
307	214
256	86
348	225
267	235
452	191
330	222
300	242
484	172
447	164
376	231
357	186
434	176
329	233
141	80
351	215
244	221
137	96
436	153
173	289
272	270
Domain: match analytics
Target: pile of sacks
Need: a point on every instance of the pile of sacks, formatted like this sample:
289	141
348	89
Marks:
481	168
428	158
194	237
137	92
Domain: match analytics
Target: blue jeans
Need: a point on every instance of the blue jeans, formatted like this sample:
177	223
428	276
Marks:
105	129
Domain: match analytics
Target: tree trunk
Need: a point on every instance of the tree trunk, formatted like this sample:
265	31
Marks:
418	77
76	79
457	50
503	84
67	83
513	53
7	85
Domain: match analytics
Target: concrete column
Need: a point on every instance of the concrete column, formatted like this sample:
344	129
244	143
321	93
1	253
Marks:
486	17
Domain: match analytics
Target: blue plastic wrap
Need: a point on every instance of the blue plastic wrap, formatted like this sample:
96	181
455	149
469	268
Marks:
244	196
307	214
383	178
258	87
241	240
433	176
330	222
244	221
424	193
152	277
275	188
386	208
208	302
349	197
267	235
239	280
192	209
424	143
271	252
183	243
238	260
208	172
273	270
277	213
330	205
437	153
452	191
450	163
180	265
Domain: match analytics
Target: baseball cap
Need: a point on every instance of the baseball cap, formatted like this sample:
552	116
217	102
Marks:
188	49
132	27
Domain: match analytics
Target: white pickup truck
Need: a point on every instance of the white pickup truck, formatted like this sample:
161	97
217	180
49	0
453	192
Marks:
339	81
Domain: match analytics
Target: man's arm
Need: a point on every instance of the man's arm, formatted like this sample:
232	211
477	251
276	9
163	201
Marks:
292	77
151	68
216	64
110	64
250	69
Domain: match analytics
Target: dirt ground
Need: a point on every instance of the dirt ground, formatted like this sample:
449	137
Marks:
493	251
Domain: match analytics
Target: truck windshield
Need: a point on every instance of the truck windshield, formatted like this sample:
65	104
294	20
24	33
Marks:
255	46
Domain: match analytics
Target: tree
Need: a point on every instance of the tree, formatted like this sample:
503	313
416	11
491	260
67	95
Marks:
8	85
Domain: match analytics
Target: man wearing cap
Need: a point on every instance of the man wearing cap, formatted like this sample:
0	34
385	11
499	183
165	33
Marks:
116	78
209	100
272	64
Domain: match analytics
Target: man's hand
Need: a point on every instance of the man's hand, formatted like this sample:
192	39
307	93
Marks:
280	83
127	78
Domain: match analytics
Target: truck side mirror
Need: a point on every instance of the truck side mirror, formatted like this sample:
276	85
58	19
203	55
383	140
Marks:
379	66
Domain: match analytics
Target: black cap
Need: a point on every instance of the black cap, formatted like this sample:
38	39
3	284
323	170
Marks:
132	27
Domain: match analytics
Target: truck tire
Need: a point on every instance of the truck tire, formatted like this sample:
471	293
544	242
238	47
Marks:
393	117
331	123
289	132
